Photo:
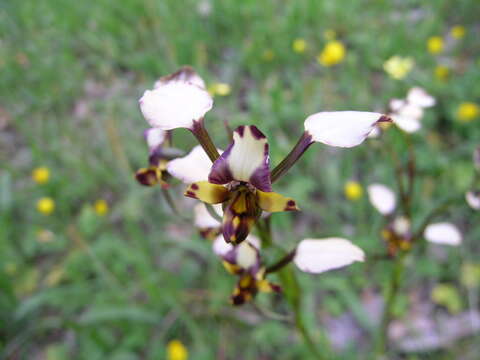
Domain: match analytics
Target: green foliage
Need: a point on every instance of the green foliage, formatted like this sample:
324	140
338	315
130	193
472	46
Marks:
120	286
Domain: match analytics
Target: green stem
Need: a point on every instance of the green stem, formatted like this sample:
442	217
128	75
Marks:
300	147
393	287
205	140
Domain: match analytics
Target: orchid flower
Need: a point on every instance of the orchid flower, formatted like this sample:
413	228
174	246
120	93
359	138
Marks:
240	178
152	175
311	256
407	113
398	233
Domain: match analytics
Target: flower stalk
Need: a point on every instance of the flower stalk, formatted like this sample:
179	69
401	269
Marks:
203	137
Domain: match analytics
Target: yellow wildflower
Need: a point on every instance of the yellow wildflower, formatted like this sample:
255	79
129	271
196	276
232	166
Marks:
299	45
353	190
176	351
221	89
268	55
46	205
458	32
398	67
467	111
333	53
447	295
100	207
442	72
41	175
329	34
435	44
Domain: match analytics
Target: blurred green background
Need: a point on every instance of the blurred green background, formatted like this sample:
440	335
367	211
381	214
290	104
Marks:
119	282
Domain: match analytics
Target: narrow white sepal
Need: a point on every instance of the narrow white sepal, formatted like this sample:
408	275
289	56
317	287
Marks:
382	198
419	97
320	255
175	105
341	128
203	219
443	233
193	167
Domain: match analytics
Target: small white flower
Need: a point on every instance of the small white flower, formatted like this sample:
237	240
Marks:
406	114
320	255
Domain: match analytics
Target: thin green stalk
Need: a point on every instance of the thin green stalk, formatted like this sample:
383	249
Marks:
205	140
393	288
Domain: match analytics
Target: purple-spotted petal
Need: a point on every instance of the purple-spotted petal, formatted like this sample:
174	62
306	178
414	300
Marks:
342	128
191	168
246	159
176	102
320	255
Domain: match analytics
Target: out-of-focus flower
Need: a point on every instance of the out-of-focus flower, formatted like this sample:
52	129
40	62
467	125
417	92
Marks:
443	233
55	276
299	45
320	255
382	198
268	55
178	100
458	31
41	175
435	45
470	275
45	236
221	89
46	205
333	53
204	8
442	72
101	207
407	113
467	111
353	190
329	34
473	199
176	350
398	67
447	295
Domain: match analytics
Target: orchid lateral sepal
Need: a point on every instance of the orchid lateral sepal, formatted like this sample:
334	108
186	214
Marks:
201	134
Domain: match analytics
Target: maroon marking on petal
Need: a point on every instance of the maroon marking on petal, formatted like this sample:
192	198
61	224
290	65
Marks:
261	176
291	206
190	194
240	130
290	203
257	134
194	187
220	173
385	118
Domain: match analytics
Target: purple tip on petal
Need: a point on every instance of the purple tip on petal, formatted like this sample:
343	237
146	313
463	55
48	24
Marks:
256	133
385	118
240	130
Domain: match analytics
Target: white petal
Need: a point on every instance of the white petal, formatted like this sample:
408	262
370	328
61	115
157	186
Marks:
247	255
319	255
175	105
418	96
203	219
473	199
154	137
193	167
382	198
221	247
341	128
397	104
407	124
443	233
